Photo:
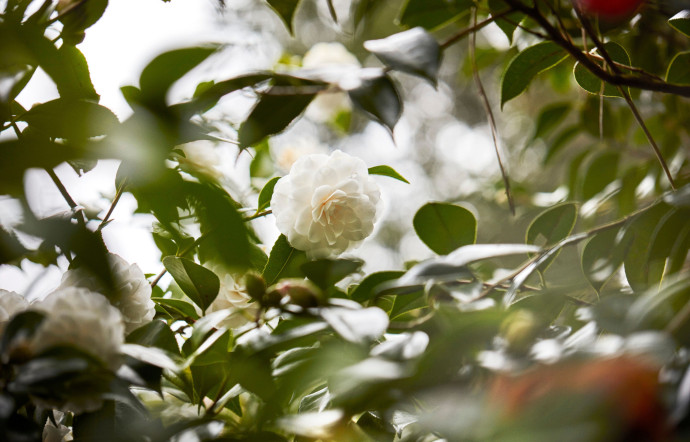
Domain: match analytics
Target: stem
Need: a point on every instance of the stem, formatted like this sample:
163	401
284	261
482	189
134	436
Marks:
490	115
477	26
258	215
68	198
112	206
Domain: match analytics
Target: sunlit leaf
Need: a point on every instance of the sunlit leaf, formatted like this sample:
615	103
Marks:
387	171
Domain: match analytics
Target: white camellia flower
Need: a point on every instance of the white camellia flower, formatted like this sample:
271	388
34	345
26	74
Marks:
288	150
11	303
133	292
326	204
233	296
201	157
327	105
82	318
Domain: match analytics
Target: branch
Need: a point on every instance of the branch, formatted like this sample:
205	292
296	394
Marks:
477	26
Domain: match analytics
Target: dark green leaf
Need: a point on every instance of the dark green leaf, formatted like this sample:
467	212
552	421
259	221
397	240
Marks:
11	250
552	225
602	256
511	21
20	328
415	52
600	170
640	233
379	98
679	69
445	227
432	13
387	171
70	118
208	98
274	111
326	272
81	17
197	282
681	22
177	308
661	244
154	334
164	70
550	117
526	65
283	262
266	194
365	290
286	10
560	141
592	83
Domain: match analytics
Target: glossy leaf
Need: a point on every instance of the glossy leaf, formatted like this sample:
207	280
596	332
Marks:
593	84
197	282
445	227
266	194
387	171
379	98
526	65
681	22
284	262
414	51
679	69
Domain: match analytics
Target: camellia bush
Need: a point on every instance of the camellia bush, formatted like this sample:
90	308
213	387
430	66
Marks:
564	320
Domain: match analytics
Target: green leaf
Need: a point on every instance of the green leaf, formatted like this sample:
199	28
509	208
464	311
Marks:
365	290
286	10
679	69
387	171
560	141
432	13
526	65
550	117
379	98
284	262
602	255
640	234
326	272
266	194
415	52
197	282
208	98
445	227
70	118
84	15
164	70
75	71
681	22
11	250
20	328
600	170
510	22
177	308
274	112
591	83
662	241
552	225
154	334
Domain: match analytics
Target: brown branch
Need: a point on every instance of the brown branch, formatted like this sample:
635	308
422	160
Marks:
476	27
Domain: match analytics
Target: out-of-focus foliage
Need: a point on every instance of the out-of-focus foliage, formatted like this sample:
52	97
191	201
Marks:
569	320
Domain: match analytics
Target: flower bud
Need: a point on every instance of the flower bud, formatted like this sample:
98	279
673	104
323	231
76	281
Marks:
300	292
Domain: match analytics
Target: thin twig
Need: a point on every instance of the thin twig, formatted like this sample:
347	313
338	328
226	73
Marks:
112	206
476	27
490	115
257	215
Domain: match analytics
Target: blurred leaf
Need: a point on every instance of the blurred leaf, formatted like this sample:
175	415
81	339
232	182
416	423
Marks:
70	118
365	290
414	51
445	227
116	421
208	98
432	13
164	70
283	262
81	17
387	171
552	225
640	232
511	21
526	65
601	170
286	10
627	201
151	355
274	111
679	251
681	22
560	141
177	308
326	272
679	69
655	308
602	256
154	334
357	326
19	329
380	99
266	194
550	117
592	83
11	250
197	282
662	241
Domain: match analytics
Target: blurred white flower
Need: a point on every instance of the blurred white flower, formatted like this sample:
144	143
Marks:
326	204
327	105
132	295
77	316
59	433
200	157
233	296
287	151
11	303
